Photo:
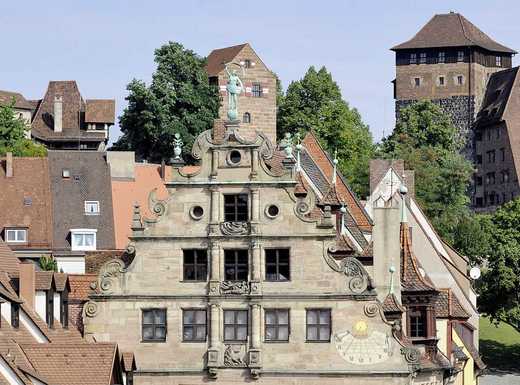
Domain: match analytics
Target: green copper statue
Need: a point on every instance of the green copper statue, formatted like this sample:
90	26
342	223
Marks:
234	88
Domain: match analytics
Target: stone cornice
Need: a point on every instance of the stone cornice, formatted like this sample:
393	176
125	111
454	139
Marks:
227	237
286	372
235	298
251	183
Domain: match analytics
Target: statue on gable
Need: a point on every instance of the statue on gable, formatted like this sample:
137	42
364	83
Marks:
234	89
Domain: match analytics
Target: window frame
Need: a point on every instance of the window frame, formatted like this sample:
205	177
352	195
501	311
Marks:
154	340
461	55
92	203
257	91
498	61
318	325
235	325
423	57
236	265
423	313
195	265
246	118
235	205
413	58
441	57
195	325
277	325
16	231
75	247
277	263
416	82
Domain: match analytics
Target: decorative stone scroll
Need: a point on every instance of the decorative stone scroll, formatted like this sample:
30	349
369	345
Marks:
411	354
358	280
371	309
90	309
234	228
234	356
156	206
234	287
108	273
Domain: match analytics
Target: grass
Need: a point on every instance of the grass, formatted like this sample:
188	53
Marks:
499	346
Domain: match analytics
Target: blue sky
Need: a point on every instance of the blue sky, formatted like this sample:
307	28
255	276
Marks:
103	44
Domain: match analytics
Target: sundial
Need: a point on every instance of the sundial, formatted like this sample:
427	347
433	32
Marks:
363	346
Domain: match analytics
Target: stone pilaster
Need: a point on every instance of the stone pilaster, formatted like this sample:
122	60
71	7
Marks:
214	277
254	163
255	210
256	272
255	359
214	164
214	351
215	210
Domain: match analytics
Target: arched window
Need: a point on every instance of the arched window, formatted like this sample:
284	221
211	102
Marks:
246	118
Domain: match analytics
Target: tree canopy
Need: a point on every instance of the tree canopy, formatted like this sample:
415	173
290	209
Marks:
178	100
12	134
315	103
429	143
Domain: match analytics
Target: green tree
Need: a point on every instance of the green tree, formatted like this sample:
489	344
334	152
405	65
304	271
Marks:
12	134
429	143
500	285
178	100
315	103
48	264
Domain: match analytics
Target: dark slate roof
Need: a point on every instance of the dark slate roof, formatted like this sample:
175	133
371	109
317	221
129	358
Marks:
6	97
218	57
452	30
391	304
89	181
498	92
411	278
447	305
73	115
100	111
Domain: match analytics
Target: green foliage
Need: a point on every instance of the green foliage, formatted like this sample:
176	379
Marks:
315	103
178	100
48	264
500	290
429	144
12	135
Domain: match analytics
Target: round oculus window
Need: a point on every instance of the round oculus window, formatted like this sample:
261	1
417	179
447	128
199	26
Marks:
272	211
196	212
235	157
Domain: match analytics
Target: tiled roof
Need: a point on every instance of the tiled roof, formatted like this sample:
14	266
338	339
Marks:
451	30
100	111
73	107
447	305
9	263
43	280
6	98
498	92
60	280
128	360
218	57
331	198
66	364
412	279
391	304
25	201
80	286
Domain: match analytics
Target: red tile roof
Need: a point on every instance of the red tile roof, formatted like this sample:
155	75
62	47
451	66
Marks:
6	98
80	286
451	30
447	305
391	304
100	111
9	263
218	57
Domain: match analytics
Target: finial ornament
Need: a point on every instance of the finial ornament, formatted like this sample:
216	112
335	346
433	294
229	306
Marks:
392	271
298	150
403	190
287	145
177	146
335	162
234	88
137	224
343	211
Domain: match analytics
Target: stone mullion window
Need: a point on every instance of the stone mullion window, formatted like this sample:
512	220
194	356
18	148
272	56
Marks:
154	325
235	207
256	90
235	325
195	265
318	325
277	265
194	325
277	325
236	263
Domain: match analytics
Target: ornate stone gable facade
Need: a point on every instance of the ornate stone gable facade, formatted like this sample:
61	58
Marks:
236	282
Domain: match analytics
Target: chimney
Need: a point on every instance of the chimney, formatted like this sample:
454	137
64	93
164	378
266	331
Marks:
387	250
27	283
58	114
9	165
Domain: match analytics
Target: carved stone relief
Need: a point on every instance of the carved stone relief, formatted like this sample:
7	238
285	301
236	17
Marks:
234	356
234	287
234	228
108	274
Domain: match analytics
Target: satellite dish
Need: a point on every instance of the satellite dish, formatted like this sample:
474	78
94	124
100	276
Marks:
474	273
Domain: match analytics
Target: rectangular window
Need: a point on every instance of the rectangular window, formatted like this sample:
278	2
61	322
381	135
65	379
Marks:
417	322
256	90
15	315
422	58
491	156
505	176
498	61
16	235
318	325
236	263
276	325
235	325
417	82
490	178
479	202
92	207
479	159
247	63
441	81
460	56
277	265
154	325
194	325
442	57
83	239
235	208
497	133
503	154
413	58
195	265
460	80
478	180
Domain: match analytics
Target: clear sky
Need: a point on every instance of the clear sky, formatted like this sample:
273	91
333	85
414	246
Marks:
103	44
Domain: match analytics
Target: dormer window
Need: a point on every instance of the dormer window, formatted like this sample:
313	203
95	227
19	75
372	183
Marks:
417	321
83	239
16	235
92	207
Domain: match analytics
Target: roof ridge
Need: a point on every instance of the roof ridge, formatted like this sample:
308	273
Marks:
460	17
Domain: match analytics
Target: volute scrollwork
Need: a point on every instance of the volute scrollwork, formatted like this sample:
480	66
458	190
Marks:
156	206
235	228
108	274
90	309
234	287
